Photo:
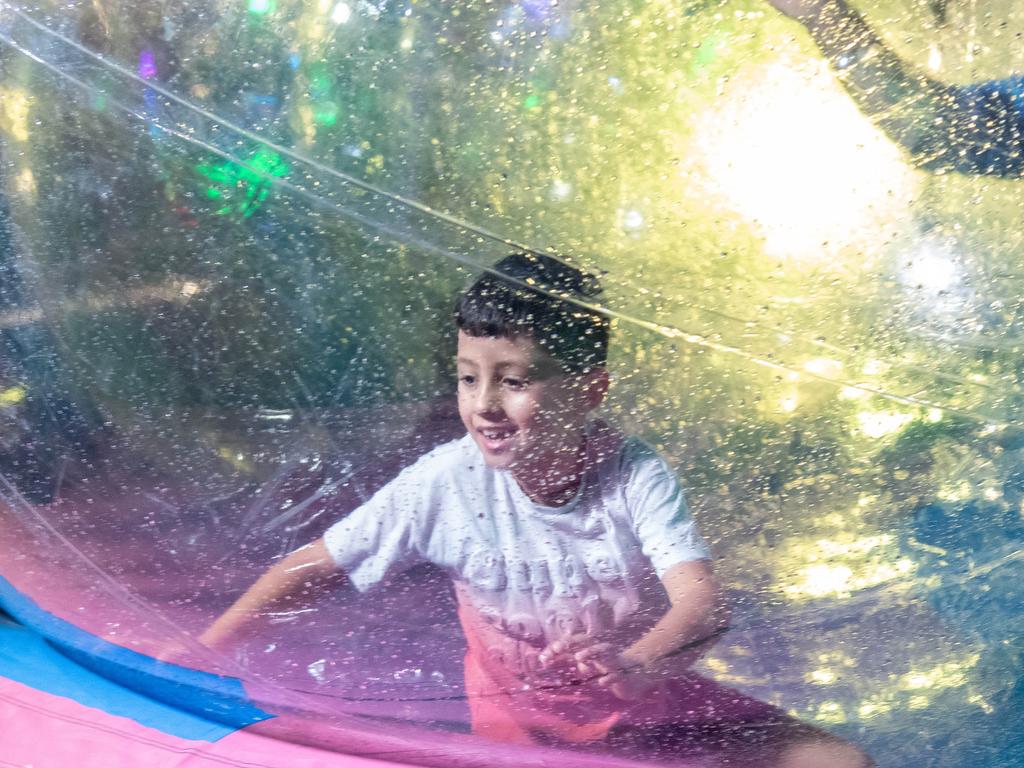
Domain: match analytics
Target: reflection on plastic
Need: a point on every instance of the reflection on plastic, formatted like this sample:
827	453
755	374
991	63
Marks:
225	316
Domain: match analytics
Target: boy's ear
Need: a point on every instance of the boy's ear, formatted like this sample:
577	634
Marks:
595	386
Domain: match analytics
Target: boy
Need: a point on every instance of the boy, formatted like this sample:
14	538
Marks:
584	588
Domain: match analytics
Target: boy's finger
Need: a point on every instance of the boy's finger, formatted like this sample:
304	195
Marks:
572	642
598	651
549	654
170	655
561	647
620	684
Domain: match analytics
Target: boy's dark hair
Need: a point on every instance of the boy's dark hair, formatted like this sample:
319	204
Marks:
534	295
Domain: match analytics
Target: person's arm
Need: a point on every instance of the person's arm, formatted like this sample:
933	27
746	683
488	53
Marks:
668	536
696	619
295	577
975	129
698	616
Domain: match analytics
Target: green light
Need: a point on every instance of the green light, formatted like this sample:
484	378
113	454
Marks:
326	113
532	101
242	189
321	81
706	52
261	6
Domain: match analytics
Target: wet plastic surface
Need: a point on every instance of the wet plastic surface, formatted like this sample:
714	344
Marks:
231	236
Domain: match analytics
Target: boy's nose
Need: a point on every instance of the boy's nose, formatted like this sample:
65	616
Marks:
488	399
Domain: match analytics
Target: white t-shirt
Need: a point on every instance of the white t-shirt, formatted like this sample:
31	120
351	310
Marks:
532	574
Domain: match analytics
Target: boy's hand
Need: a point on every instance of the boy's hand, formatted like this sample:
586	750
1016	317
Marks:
184	653
627	681
174	651
601	663
559	653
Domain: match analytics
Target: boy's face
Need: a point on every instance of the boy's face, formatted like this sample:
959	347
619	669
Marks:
524	412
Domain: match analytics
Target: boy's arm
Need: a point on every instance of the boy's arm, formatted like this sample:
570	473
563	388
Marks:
697	617
295	577
372	540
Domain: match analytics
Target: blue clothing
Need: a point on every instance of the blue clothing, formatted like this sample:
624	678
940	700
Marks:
970	129
979	129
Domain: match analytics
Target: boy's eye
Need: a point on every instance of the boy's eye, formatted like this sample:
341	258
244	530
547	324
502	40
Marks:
467	380
513	383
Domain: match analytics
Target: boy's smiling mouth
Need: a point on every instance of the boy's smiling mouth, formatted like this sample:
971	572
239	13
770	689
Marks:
497	438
